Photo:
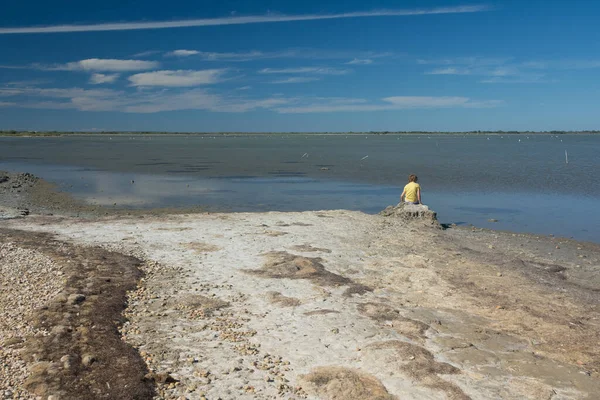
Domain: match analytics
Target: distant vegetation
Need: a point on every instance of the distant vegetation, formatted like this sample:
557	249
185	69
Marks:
63	133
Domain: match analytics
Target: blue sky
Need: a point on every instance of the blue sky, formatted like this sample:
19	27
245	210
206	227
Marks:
299	66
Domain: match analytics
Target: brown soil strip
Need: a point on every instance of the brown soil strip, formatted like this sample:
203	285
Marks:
83	356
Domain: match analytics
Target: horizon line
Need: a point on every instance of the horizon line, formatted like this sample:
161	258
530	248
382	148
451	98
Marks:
252	19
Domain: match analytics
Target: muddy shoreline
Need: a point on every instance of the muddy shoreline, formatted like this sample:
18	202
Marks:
328	305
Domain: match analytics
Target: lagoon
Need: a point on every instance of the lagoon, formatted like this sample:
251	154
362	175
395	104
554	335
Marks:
523	181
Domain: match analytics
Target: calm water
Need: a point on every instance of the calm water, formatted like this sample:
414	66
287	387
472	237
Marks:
522	181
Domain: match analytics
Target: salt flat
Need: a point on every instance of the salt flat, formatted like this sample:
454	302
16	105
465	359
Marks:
343	305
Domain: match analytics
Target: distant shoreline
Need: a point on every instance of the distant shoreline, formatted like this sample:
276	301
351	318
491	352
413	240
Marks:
14	133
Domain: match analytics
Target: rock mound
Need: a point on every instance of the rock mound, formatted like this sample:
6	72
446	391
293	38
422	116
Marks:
411	212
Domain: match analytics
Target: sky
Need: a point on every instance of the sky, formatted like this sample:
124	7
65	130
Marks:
299	66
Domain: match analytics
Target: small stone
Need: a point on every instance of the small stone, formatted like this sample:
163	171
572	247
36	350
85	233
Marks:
490	246
88	359
76	298
499	274
162	377
13	341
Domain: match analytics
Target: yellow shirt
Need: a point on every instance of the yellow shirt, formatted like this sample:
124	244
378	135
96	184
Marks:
410	192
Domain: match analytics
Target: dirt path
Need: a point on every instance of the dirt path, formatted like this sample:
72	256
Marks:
342	305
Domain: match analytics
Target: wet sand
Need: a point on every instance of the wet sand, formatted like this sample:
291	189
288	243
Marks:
328	305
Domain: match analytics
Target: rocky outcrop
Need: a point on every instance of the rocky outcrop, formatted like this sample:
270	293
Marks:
411	212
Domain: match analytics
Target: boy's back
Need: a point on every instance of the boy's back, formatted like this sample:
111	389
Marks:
410	191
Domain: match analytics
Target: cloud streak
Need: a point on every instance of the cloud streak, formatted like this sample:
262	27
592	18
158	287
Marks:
255	19
182	53
387	104
111	65
296	79
359	61
153	100
179	78
357	57
305	70
98	79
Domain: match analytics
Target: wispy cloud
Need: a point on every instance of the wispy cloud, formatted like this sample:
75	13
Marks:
358	61
29	82
388	103
562	64
473	61
242	56
182	53
522	78
145	53
358	57
449	71
6	104
97	79
239	20
91	65
107	65
179	78
305	70
296	79
169	99
145	101
492	70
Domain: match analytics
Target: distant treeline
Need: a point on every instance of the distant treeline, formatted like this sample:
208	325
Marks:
62	133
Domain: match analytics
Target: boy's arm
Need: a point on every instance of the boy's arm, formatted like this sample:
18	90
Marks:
419	195
402	195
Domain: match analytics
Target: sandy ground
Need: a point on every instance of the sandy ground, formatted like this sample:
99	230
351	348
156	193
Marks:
343	305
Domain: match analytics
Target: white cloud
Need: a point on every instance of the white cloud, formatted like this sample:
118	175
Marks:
30	82
244	56
56	92
179	78
145	101
154	100
388	103
244	88
145	53
305	70
474	61
6	104
364	57
522	78
495	70
97	79
108	65
239	20
449	71
296	79
359	61
563	64
182	53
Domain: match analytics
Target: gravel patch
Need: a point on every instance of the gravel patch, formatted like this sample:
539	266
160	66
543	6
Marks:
28	280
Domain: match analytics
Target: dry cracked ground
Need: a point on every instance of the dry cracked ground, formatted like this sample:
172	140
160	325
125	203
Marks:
313	305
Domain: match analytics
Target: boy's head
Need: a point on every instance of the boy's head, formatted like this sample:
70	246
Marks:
413	178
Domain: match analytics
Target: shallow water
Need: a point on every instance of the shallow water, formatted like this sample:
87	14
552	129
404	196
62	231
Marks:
522	181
